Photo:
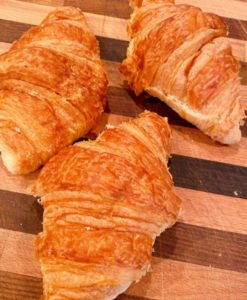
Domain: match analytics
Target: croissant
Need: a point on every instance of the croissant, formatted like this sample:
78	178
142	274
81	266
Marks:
105	201
182	56
52	90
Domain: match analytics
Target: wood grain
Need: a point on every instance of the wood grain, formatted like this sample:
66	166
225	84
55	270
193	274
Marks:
204	256
20	212
114	8
213	211
203	246
226	8
193	143
209	176
239	49
237	28
173	280
19	287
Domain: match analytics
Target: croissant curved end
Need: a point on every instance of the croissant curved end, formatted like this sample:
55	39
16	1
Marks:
10	162
233	137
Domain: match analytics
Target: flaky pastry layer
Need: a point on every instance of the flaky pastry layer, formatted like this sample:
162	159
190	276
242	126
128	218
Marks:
52	90
180	54
105	202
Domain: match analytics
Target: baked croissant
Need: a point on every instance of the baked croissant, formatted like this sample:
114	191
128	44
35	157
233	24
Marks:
105	201
181	55
52	90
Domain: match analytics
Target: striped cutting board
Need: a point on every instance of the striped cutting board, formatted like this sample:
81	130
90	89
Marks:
204	256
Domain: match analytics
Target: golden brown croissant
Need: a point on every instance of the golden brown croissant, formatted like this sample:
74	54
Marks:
105	201
52	90
181	55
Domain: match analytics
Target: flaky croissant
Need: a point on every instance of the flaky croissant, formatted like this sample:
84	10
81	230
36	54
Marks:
181	55
105	201
52	90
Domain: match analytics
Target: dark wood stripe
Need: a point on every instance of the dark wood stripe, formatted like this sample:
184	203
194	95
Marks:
121	9
11	31
20	212
19	287
237	28
111	49
209	176
203	246
244	128
184	242
243	73
113	8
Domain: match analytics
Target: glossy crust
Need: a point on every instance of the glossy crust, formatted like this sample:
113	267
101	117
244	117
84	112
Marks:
181	55
52	90
105	201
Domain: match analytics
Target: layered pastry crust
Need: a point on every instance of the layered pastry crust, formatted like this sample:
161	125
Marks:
52	90
105	201
182	56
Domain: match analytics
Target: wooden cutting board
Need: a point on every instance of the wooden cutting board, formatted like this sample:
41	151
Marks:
204	256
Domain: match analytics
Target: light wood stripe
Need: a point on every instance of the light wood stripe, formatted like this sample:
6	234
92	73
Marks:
198	208
191	142
20	184
46	2
213	211
105	26
168	279
239	49
4	47
172	280
17	253
225	8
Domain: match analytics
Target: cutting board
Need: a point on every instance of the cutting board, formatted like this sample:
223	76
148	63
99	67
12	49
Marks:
204	256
